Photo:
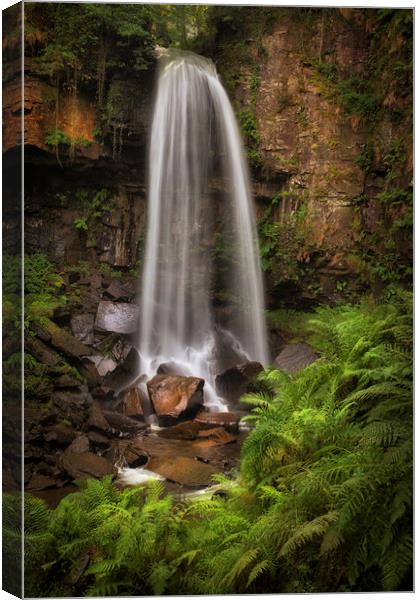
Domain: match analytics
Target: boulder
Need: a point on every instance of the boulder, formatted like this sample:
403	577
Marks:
83	466
238	380
132	402
98	439
66	381
103	392
82	327
72	406
41	352
175	396
169	368
183	470
89	372
123	425
79	445
295	357
97	419
116	291
63	340
60	434
40	482
125	372
103	364
117	317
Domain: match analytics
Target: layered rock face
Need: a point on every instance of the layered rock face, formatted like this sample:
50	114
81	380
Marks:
325	118
328	123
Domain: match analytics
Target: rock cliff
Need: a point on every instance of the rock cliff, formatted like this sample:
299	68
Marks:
324	101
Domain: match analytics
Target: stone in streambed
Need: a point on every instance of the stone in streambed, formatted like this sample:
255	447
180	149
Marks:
295	357
183	470
175	396
117	317
83	466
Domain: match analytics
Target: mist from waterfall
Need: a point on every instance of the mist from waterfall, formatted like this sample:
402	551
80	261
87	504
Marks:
195	142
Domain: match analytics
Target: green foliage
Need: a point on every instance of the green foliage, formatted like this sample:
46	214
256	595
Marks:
281	239
81	224
42	287
354	93
365	158
323	502
56	137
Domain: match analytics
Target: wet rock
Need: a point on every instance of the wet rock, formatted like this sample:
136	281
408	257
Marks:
295	357
122	424
169	368
79	445
82	466
218	436
183	470
228	420
238	380
175	396
116	317
132	402
124	374
82	327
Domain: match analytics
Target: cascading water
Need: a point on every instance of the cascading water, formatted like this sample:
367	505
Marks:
195	141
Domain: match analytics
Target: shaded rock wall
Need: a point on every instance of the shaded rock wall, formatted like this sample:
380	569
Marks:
308	179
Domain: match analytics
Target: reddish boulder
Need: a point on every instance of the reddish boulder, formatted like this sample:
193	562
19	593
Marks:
175	396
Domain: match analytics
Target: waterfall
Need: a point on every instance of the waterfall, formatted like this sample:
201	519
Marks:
195	141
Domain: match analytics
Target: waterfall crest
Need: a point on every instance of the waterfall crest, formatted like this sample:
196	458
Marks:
195	141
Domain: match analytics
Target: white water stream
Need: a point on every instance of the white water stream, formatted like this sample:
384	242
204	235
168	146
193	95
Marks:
195	138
